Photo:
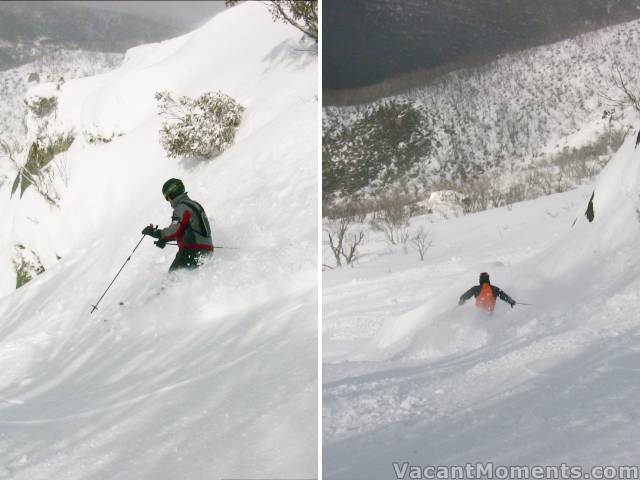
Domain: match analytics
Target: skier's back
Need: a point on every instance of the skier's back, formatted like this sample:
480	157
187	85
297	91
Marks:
486	295
189	227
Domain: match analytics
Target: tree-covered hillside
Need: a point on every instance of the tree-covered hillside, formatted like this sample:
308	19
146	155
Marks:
539	115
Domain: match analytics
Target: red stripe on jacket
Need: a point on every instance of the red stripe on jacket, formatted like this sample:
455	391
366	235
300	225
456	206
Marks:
201	246
181	228
184	223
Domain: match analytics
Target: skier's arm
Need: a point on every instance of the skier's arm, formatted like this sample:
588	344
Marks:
179	221
504	297
473	291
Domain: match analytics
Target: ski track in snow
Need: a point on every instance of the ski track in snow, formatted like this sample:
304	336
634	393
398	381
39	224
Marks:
410	378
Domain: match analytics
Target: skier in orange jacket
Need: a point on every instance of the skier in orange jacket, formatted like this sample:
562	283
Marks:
486	295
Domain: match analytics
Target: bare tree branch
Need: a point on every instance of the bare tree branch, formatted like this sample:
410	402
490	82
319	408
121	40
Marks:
625	95
343	244
421	242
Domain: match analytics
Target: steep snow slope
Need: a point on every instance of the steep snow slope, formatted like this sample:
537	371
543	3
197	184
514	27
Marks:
411	378
207	374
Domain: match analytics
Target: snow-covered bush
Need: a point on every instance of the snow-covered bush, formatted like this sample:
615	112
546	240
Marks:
202	127
42	103
96	137
41	106
27	265
445	204
45	148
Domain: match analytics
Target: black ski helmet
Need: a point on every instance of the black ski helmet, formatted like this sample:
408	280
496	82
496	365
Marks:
172	188
484	278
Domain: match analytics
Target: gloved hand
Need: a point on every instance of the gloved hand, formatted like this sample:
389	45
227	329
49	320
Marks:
151	231
513	304
461	302
160	243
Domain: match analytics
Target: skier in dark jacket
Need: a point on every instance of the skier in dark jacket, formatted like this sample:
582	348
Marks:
486	295
189	227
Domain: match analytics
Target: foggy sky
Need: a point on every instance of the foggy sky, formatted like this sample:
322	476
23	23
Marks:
183	14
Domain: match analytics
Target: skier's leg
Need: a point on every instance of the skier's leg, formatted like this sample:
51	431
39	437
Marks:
191	261
198	257
189	258
203	256
181	260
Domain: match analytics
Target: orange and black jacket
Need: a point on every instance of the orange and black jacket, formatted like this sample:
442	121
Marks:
497	292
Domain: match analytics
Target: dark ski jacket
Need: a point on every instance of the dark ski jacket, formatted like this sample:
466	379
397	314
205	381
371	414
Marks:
497	292
189	225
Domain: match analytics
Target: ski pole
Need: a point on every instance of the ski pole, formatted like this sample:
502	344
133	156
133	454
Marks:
526	304
95	307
